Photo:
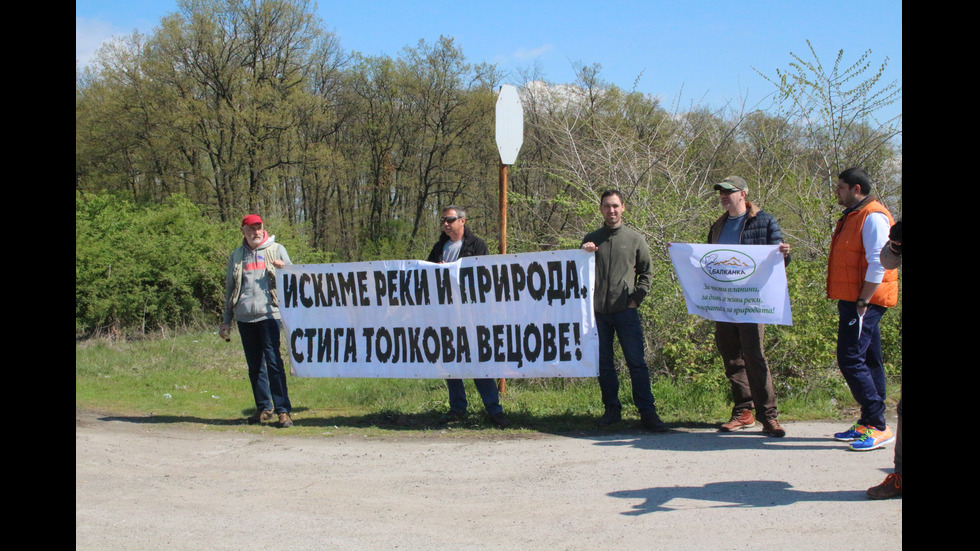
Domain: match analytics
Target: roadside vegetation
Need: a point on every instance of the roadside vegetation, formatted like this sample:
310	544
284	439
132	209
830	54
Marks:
192	377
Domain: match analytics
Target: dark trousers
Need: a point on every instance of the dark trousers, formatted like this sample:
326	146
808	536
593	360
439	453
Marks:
488	393
626	326
860	360
740	346
266	370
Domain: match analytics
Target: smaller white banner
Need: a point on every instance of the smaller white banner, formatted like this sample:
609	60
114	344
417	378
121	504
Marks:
733	283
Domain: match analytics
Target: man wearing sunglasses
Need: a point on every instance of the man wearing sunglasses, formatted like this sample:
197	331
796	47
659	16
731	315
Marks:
741	344
457	241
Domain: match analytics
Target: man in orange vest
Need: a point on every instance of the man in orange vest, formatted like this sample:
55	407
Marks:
864	291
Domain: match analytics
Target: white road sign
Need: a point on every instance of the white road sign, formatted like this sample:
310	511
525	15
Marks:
510	124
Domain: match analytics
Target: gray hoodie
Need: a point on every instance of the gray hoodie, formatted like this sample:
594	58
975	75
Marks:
250	282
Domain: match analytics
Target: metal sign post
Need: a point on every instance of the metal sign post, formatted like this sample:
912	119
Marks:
510	136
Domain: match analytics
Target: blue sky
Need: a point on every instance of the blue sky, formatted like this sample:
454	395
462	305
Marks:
700	51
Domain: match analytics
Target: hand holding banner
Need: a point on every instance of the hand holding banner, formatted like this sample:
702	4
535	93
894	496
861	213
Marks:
733	283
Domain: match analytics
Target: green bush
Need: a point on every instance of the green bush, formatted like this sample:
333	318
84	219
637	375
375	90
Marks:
143	267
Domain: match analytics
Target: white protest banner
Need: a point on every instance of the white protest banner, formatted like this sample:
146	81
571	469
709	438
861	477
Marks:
733	283
516	315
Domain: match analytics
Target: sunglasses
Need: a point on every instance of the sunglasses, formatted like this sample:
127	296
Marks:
449	219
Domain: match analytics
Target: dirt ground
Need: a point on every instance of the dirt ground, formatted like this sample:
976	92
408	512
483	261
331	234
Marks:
187	486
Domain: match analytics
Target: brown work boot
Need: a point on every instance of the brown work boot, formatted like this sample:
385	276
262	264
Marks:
740	421
891	487
284	420
772	428
260	417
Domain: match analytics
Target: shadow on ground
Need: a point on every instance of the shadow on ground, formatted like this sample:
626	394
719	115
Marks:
682	437
733	494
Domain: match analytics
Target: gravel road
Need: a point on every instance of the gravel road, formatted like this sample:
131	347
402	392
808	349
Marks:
145	485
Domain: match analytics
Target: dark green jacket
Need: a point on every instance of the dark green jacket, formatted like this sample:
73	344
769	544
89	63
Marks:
622	268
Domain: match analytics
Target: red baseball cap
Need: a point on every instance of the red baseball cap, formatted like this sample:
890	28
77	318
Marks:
251	219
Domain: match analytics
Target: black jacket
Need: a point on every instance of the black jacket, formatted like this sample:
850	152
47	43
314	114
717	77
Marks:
472	246
760	229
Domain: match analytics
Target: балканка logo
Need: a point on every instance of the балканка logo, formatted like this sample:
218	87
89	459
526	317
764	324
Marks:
727	265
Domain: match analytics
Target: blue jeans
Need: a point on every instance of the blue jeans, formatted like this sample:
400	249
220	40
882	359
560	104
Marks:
487	389
860	361
625	325
266	370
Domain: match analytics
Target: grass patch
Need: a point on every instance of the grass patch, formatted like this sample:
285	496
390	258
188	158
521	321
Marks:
198	378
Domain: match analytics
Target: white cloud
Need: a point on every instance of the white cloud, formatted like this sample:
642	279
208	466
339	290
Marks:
90	34
531	54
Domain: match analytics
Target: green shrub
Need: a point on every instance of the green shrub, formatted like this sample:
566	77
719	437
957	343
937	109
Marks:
809	346
142	267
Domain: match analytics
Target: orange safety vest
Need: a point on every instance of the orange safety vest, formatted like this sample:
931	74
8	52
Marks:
847	265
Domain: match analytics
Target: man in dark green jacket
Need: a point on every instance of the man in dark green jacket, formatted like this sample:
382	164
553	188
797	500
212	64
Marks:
622	279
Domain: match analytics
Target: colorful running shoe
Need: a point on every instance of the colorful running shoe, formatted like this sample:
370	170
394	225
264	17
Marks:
856	431
872	439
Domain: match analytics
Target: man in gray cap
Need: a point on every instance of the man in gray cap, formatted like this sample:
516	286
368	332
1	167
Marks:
740	344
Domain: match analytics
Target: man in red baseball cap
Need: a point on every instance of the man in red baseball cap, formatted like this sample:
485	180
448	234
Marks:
251	298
